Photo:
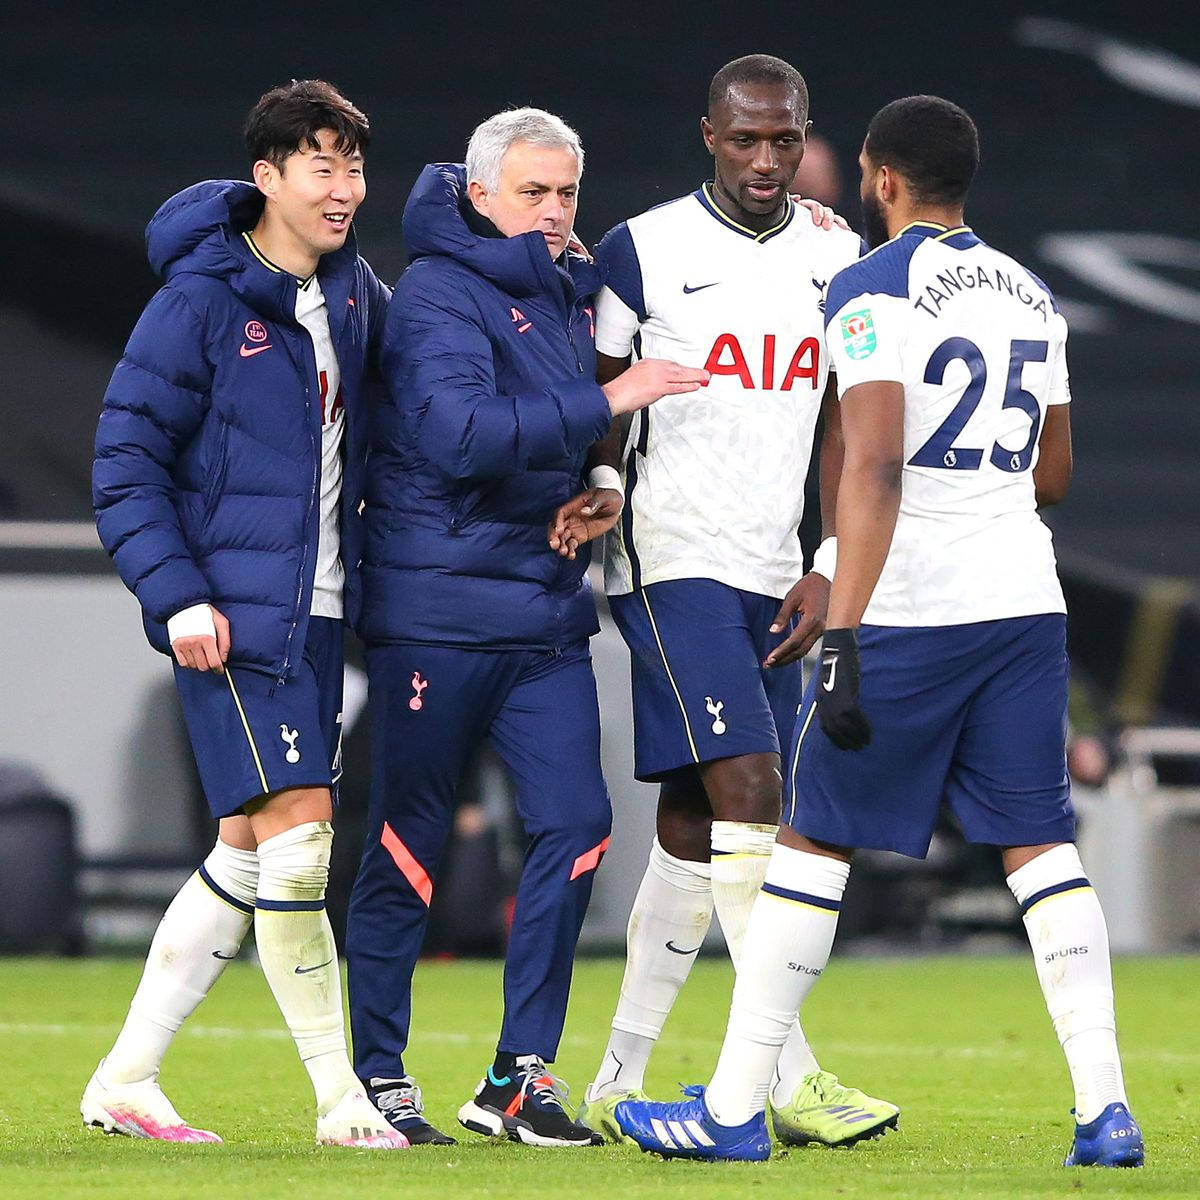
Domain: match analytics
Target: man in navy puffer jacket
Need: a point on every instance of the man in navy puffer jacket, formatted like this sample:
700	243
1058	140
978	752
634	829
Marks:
227	483
475	627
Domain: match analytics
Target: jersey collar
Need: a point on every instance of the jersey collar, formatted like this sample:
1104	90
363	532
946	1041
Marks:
266	262
959	238
705	195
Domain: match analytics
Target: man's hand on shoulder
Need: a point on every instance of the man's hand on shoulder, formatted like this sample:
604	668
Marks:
651	380
589	515
822	216
808	601
199	638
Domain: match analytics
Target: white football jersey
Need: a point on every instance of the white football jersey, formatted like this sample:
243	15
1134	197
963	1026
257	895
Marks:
330	576
714	479
980	347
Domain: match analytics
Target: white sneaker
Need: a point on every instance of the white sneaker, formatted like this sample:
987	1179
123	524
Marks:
139	1110
355	1121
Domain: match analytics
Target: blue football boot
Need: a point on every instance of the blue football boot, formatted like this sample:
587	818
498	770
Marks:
686	1129
1113	1139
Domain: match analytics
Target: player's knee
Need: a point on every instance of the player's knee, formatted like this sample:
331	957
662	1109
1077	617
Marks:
593	829
748	790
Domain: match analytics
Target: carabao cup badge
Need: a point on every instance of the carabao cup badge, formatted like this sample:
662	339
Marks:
858	333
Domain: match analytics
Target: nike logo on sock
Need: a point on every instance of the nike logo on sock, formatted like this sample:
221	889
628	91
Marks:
227	957
306	970
674	949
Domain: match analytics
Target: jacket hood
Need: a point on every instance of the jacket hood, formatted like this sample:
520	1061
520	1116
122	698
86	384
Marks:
521	266
193	229
199	231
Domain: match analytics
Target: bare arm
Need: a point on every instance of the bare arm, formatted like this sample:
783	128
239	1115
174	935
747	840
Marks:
830	463
1052	475
607	451
868	498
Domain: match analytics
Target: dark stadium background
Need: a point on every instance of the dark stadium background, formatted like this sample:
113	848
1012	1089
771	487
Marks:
112	108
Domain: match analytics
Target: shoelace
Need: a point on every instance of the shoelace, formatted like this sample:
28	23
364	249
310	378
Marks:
543	1086
826	1087
402	1102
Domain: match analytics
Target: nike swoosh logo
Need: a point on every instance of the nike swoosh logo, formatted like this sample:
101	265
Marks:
307	970
687	291
674	949
226	957
247	352
828	683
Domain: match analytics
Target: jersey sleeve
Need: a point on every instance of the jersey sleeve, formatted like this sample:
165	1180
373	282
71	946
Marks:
864	333
621	303
1060	382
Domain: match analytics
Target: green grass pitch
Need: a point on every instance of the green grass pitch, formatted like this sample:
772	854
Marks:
963	1045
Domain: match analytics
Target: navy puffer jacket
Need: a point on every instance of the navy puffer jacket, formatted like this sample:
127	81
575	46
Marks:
489	358
208	449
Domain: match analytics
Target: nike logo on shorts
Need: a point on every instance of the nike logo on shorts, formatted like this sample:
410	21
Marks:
687	291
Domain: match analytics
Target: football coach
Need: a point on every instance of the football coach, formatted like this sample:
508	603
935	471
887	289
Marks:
475	629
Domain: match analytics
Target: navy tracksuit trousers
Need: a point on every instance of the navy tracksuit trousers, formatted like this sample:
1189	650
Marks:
431	706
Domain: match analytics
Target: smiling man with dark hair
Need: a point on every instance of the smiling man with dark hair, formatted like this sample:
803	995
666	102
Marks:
227	483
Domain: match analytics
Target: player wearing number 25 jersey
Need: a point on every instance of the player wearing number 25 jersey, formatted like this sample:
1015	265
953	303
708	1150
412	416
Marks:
980	346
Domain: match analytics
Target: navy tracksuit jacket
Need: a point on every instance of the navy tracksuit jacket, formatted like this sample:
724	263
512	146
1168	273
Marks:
475	628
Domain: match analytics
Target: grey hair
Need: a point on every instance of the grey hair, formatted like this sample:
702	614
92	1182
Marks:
494	137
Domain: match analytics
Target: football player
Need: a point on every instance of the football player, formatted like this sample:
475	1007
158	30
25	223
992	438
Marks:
701	571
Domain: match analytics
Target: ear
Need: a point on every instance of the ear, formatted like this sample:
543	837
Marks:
708	134
266	176
887	185
478	196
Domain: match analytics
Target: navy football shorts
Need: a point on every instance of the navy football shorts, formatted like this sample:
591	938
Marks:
699	690
973	716
253	735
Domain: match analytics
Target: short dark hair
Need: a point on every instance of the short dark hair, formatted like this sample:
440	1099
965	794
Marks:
288	118
932	143
756	68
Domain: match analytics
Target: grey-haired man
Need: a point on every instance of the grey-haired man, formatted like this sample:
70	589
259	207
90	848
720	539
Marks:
475	628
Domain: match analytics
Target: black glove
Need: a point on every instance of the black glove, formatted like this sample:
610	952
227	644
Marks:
844	722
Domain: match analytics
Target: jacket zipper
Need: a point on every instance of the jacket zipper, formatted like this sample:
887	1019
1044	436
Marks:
571	339
312	496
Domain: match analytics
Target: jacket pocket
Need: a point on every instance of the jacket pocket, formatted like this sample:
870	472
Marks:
218	471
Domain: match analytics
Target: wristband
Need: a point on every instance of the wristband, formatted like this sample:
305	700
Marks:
605	476
825	559
196	621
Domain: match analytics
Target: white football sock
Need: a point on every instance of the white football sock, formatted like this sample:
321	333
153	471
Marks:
1069	939
670	916
199	933
786	948
298	955
740	856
